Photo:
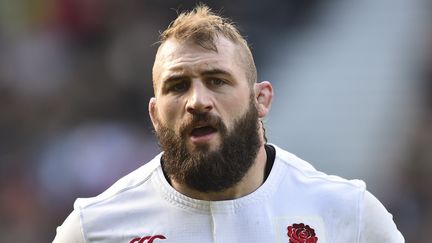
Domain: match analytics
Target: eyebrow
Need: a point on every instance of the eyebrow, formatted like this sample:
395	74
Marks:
174	77
210	72
215	71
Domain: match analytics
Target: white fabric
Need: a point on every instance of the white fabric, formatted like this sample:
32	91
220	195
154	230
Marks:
143	204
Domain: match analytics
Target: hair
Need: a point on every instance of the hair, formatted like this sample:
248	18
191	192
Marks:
203	27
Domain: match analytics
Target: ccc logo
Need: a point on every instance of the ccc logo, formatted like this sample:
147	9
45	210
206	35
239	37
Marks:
147	239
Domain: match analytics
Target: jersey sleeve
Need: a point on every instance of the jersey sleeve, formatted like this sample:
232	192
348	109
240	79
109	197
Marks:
70	231
376	223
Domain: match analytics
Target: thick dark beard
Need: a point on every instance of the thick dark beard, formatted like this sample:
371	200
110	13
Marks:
212	171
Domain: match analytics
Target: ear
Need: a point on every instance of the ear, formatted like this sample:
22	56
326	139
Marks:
264	97
152	111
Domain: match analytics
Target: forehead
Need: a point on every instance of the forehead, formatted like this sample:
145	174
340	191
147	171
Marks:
176	56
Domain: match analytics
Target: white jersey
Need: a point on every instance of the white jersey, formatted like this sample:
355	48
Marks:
295	204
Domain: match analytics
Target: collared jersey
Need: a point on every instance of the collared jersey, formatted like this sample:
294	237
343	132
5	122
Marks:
296	202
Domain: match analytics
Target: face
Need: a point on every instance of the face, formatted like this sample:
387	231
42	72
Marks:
192	80
204	114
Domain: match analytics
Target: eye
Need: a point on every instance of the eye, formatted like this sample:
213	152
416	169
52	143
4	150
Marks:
179	87
216	82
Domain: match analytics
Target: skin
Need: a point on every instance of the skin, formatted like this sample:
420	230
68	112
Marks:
189	79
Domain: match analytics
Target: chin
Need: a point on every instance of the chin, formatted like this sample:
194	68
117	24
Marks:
204	147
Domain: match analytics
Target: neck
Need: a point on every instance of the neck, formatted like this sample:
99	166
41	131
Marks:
253	179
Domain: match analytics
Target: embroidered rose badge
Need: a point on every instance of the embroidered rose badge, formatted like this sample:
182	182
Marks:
301	233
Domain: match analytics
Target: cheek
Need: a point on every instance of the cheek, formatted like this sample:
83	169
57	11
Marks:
169	113
233	110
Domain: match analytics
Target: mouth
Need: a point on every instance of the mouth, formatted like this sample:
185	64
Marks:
202	133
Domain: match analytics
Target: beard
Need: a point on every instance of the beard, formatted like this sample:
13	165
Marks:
205	170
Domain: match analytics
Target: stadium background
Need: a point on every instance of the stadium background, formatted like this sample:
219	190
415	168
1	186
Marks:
352	79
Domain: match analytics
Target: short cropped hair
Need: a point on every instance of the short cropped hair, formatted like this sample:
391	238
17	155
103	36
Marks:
202	26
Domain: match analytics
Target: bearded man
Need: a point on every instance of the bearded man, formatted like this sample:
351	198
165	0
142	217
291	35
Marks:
217	179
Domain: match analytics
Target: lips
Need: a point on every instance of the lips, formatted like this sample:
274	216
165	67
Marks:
202	131
202	128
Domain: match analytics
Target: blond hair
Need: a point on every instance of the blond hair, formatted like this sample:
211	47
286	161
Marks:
202	26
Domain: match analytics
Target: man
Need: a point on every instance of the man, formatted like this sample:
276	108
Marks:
217	179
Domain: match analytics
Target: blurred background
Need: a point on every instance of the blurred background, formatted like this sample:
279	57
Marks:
353	96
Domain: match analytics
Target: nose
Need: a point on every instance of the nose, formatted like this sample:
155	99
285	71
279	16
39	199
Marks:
200	99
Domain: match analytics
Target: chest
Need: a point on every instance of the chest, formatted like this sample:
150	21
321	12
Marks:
258	223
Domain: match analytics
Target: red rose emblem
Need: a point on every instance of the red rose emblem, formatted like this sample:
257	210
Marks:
301	233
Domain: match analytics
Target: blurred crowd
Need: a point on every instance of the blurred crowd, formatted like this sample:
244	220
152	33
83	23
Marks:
413	204
75	80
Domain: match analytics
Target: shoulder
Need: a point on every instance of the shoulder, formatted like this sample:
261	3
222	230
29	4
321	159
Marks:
317	191
129	182
70	230
117	200
374	222
377	223
301	169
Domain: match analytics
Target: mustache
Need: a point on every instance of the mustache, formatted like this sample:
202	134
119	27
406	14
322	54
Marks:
197	119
